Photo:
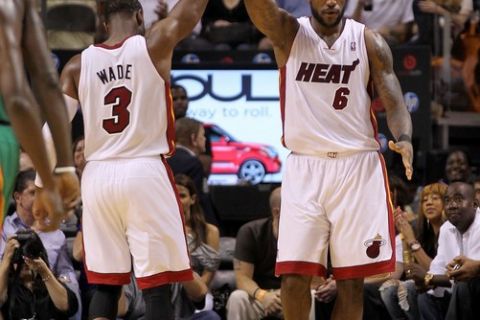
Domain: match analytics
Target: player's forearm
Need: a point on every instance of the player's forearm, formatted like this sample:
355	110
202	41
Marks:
46	86
398	118
188	13
264	15
27	126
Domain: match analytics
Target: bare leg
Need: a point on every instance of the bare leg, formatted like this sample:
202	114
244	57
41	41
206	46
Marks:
349	302
296	297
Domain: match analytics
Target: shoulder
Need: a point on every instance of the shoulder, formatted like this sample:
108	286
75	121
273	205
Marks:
74	63
212	232
254	225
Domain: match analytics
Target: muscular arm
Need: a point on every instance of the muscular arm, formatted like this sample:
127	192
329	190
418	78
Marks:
45	84
70	76
20	104
390	92
164	35
276	24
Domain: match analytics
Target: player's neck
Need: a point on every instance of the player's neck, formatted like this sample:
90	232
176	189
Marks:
328	33
119	30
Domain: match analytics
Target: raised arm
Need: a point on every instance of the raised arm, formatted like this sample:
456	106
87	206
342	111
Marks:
274	22
390	92
164	35
45	84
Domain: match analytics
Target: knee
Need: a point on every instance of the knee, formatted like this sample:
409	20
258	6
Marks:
295	283
388	290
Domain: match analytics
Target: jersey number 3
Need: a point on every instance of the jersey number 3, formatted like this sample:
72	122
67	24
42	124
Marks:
120	99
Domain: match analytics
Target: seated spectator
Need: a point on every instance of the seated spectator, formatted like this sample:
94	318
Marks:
459	12
258	289
203	238
459	235
476	187
29	289
466	291
457	166
54	242
400	297
180	107
227	26
190	143
393	19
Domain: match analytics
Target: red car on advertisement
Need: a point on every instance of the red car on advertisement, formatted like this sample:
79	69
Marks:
248	160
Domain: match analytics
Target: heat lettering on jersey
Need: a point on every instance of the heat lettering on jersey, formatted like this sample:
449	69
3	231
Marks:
119	72
326	73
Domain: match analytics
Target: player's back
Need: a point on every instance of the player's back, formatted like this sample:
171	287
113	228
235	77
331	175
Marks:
126	105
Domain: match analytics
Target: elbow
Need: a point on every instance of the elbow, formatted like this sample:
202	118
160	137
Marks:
18	105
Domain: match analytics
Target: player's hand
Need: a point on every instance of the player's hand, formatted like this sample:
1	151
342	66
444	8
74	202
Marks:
69	187
271	302
327	291
162	9
48	209
405	149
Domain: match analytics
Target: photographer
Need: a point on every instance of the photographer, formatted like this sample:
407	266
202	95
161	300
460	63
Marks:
28	288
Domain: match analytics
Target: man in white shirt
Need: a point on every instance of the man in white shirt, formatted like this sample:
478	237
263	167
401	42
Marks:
393	19
460	235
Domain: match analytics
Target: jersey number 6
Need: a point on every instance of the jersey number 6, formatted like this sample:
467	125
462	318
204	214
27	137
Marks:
341	98
120	98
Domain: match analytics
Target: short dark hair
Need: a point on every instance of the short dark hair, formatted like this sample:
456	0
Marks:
23	178
184	128
177	86
117	6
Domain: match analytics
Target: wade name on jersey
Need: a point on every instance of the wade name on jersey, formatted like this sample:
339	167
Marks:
118	72
325	73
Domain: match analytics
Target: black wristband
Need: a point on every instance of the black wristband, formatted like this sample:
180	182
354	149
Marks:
404	137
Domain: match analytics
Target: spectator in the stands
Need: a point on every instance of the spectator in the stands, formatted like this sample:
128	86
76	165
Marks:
180	108
227	26
458	166
459	235
190	139
400	297
393	19
258	289
476	187
54	242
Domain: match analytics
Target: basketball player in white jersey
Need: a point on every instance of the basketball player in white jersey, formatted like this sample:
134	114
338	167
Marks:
131	212
334	193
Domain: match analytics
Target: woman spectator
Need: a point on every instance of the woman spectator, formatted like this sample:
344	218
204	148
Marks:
400	296
203	238
28	288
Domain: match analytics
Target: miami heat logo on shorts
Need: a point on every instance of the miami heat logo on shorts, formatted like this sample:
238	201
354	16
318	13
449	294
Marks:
373	246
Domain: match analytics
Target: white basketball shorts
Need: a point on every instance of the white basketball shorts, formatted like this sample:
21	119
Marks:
337	203
131	214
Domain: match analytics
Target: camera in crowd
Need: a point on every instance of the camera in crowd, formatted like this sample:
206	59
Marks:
30	246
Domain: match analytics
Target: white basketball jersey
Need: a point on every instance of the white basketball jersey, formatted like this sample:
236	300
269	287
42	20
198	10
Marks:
323	92
127	107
